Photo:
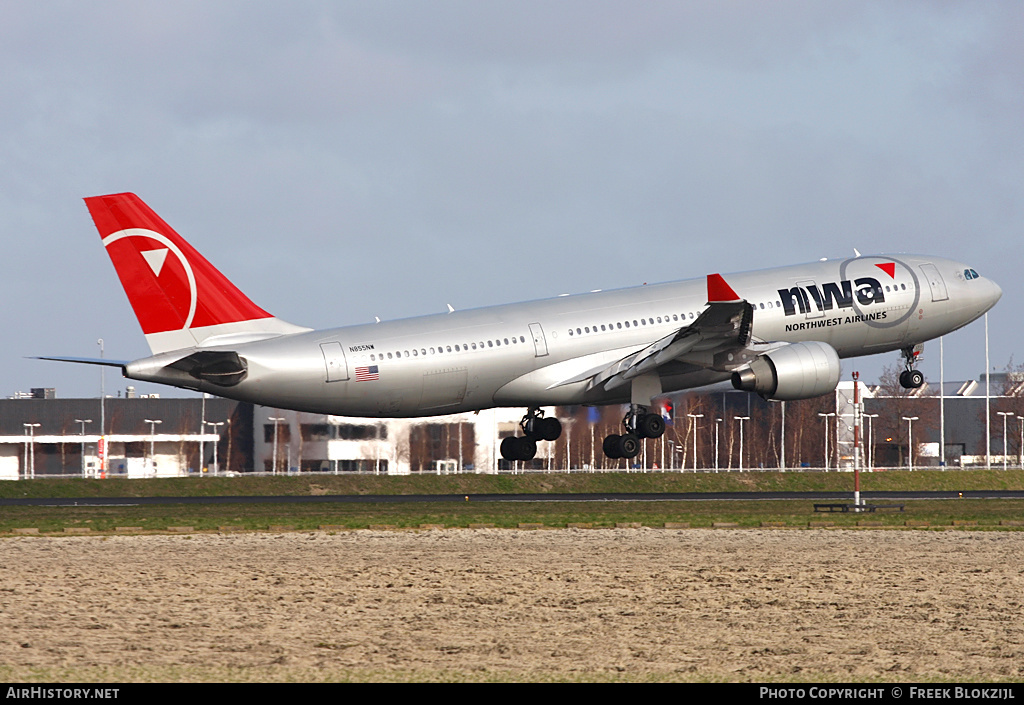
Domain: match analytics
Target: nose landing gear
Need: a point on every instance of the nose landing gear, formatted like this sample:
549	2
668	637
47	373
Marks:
911	378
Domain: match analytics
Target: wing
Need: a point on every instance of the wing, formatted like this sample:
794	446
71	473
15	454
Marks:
722	327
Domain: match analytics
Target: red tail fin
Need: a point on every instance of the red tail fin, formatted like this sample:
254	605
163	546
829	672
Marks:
179	298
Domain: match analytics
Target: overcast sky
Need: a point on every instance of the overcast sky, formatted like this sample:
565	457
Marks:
345	160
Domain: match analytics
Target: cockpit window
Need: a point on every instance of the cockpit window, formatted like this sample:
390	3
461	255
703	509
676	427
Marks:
970	274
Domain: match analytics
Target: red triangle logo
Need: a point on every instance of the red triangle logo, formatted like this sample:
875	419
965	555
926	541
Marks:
889	268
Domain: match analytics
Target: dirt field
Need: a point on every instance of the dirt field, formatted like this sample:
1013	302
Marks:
742	605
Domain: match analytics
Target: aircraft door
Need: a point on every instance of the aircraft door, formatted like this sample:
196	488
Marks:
540	343
334	359
935	282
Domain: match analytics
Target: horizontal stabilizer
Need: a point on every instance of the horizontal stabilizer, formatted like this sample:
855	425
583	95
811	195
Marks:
85	360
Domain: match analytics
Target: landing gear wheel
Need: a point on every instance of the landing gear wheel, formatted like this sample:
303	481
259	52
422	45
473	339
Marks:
912	379
628	445
509	446
549	429
611	447
650	426
539	427
527	448
518	448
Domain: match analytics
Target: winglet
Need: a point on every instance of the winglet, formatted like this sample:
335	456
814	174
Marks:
719	291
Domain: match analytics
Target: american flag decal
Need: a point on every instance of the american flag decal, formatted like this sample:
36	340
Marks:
367	374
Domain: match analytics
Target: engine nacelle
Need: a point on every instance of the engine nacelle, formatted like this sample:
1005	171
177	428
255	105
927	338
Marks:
797	371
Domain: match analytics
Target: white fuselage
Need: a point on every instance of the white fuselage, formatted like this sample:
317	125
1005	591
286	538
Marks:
543	353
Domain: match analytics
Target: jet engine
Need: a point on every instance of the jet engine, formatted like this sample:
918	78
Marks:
797	371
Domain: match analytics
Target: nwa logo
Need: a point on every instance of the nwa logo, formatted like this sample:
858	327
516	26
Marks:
831	295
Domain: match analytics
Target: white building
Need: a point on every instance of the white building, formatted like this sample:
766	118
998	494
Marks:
467	442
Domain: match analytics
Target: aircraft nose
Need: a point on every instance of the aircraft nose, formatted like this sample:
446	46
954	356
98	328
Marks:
994	293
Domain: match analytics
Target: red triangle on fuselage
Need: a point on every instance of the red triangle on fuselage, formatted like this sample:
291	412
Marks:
719	290
889	268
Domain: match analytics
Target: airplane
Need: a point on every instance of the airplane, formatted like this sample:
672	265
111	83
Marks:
777	332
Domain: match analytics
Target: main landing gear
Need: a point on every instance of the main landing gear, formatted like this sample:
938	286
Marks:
536	427
911	378
639	423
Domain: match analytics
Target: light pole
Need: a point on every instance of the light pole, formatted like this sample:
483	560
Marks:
152	440
782	444
276	420
741	419
215	424
1004	414
83	422
717	421
871	438
694	422
102	446
825	418
910	440
1020	449
30	428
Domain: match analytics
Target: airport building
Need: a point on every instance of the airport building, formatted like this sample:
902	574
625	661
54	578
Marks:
41	435
291	441
722	429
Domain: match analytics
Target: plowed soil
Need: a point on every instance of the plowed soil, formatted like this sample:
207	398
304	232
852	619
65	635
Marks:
624	604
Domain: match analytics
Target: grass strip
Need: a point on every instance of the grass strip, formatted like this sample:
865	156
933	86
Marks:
964	514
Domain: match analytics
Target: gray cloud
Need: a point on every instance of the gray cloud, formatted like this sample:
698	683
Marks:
341	161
